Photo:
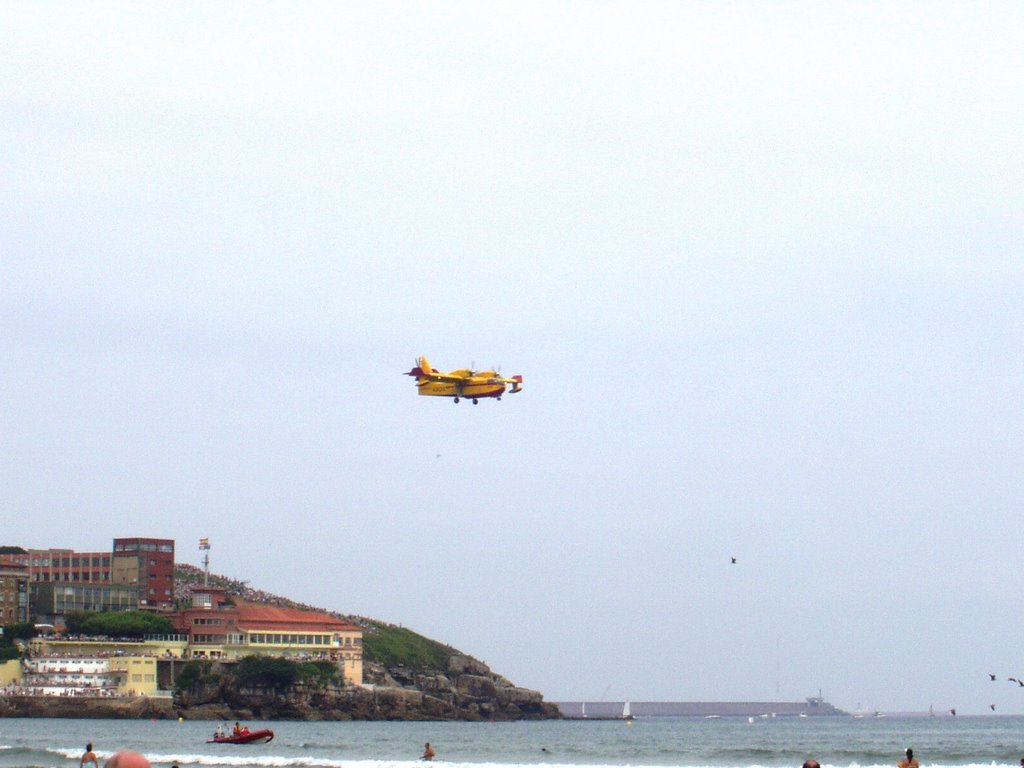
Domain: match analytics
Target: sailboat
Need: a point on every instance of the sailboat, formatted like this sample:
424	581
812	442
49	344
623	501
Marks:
626	714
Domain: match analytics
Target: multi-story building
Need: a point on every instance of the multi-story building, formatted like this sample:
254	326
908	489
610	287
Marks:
64	565
14	604
145	565
148	564
278	631
219	627
64	676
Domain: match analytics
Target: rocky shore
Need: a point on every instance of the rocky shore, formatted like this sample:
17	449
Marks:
467	691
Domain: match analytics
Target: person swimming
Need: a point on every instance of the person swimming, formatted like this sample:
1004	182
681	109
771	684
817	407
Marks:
88	757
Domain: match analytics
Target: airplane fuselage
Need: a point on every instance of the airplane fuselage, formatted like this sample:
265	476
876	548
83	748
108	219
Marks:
472	391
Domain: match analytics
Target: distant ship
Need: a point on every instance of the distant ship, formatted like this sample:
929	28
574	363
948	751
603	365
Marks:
862	713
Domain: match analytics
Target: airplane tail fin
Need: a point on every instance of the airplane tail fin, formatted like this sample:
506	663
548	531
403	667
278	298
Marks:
422	368
518	386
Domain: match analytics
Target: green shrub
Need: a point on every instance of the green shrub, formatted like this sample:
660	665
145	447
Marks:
192	673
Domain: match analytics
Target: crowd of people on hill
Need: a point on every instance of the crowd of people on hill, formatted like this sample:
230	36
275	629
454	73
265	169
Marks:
102	655
189	578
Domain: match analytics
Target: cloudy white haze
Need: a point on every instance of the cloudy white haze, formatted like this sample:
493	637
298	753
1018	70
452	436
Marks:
760	265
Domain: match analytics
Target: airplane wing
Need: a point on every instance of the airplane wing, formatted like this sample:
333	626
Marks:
445	377
425	372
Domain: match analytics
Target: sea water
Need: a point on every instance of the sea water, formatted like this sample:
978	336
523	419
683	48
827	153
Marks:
836	742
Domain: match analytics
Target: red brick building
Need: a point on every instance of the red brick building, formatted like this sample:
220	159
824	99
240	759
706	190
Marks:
64	565
13	592
222	627
149	565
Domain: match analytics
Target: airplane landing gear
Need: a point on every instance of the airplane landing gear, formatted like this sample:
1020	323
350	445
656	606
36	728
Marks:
475	401
456	398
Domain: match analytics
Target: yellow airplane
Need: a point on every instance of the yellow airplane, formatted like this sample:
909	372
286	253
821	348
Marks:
462	383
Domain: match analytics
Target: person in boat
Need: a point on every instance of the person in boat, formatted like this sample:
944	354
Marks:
88	757
428	752
219	733
811	763
910	761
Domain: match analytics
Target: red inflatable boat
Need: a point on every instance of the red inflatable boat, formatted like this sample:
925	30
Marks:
261	736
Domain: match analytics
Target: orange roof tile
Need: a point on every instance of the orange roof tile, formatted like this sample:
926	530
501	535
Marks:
253	616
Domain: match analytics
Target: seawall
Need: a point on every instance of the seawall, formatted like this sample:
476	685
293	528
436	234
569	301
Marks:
135	708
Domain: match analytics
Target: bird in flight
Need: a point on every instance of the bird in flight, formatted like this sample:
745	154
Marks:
992	707
734	561
991	675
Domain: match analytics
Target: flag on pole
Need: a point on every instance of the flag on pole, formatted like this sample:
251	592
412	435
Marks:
204	543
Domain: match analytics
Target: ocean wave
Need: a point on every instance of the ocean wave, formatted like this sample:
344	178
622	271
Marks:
280	761
26	757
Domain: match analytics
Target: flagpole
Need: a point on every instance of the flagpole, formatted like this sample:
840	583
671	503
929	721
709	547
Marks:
204	544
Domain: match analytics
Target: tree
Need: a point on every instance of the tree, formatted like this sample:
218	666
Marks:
23	630
136	624
269	672
320	673
194	672
74	622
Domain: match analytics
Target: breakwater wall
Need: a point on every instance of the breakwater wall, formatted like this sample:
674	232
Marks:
603	710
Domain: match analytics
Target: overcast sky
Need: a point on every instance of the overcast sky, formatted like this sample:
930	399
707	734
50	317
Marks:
760	264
